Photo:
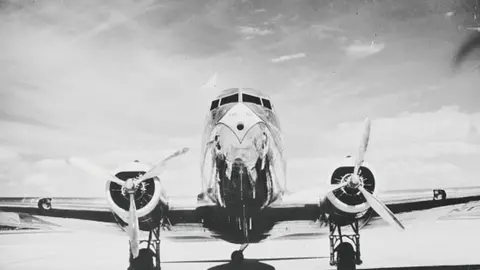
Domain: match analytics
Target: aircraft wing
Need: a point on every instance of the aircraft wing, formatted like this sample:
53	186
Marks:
397	200
297	214
95	209
66	213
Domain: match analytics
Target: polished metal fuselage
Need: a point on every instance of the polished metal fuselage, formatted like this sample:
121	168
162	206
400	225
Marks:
242	150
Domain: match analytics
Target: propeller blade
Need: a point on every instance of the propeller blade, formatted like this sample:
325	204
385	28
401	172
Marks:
339	186
381	209
158	168
95	170
362	149
133	227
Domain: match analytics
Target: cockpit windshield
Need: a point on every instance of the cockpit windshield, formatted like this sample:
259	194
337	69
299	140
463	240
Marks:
266	103
229	99
251	99
214	104
245	98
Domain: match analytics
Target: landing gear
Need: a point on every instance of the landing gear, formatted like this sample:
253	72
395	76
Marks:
346	256
144	261
149	257
237	255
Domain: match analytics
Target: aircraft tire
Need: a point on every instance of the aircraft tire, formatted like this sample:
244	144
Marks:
237	257
346	257
144	261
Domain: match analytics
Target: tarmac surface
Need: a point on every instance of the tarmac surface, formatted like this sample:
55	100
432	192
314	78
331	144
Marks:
423	243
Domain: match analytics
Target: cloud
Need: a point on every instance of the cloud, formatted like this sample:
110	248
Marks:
445	132
325	31
448	124
8	154
427	150
409	150
248	30
359	50
288	57
119	81
276	18
50	163
417	174
449	14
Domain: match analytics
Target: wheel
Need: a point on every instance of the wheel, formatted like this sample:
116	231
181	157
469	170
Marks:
345	257
237	257
144	261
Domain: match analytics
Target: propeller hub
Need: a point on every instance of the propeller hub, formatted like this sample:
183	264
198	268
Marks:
130	186
354	181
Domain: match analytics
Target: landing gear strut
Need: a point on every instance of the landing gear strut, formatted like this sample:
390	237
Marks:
149	257
347	257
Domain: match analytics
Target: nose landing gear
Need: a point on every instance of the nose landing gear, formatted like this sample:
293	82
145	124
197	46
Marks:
237	255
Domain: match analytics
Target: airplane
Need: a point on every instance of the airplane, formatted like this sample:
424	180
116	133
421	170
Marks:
244	199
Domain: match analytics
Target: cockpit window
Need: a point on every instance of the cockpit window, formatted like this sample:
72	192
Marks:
266	103
251	99
214	104
229	99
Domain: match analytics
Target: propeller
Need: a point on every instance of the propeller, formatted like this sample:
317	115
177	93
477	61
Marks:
381	209
133	227
339	186
160	167
355	182
95	170
130	186
361	151
355	179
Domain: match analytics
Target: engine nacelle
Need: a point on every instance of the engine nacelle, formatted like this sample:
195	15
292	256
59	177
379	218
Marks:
150	200
347	204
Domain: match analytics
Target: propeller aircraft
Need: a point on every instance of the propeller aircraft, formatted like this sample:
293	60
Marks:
243	199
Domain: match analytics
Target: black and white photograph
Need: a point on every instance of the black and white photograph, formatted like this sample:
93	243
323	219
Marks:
239	134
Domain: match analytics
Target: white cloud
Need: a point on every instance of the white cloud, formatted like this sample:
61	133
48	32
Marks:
118	94
417	174
276	18
425	150
248	30
38	179
304	173
322	31
288	57
259	10
358	50
50	163
411	150
449	14
7	154
448	124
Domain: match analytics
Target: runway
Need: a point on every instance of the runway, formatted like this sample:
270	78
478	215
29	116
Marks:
424	243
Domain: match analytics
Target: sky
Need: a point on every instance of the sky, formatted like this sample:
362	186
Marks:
115	81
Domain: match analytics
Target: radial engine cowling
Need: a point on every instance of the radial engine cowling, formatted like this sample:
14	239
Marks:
348	204
150	199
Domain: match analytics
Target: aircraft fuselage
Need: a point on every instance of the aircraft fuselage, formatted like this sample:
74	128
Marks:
243	167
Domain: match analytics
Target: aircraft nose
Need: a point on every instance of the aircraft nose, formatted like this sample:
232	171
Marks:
240	119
